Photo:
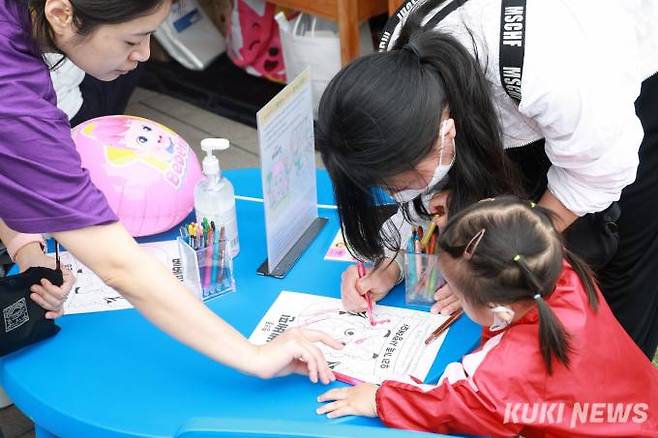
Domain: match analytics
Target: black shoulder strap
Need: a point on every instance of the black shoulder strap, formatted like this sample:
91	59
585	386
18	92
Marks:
512	46
405	9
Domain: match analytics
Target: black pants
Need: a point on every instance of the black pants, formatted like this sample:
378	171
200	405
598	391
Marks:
629	281
100	98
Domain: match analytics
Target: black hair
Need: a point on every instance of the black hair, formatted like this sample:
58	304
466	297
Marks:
87	15
380	117
518	257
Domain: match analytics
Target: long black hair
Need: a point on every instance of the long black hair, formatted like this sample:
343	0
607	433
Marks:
506	250
87	15
380	116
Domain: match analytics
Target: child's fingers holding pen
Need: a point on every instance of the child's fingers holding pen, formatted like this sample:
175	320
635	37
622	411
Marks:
446	301
446	307
443	292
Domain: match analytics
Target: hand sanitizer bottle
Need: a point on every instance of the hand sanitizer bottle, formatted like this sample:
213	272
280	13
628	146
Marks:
214	197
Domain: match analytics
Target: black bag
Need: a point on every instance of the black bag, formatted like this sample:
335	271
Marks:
594	237
24	321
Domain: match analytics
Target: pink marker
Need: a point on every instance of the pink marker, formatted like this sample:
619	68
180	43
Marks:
361	269
347	379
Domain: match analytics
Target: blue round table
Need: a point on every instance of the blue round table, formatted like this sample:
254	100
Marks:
113	374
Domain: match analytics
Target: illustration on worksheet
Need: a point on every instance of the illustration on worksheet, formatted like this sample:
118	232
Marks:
91	294
394	347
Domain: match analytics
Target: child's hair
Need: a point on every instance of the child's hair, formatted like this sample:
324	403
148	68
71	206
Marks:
506	250
87	15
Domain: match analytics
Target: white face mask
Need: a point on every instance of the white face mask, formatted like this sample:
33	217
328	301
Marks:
440	172
502	317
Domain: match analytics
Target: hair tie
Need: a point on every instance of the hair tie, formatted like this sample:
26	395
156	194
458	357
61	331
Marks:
532	204
413	49
537	297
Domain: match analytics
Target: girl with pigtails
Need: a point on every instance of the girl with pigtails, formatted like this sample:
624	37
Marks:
551	348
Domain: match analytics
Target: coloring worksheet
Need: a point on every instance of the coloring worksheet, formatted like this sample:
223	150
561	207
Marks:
393	348
90	294
338	250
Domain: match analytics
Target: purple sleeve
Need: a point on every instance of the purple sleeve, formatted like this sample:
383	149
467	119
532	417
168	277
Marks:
43	187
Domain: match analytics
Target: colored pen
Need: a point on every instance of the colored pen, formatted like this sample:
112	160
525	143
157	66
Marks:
222	252
443	327
419	260
430	232
184	234
346	379
410	262
209	266
216	260
361	269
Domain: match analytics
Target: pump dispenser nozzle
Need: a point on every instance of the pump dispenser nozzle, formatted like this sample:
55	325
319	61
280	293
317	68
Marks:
210	162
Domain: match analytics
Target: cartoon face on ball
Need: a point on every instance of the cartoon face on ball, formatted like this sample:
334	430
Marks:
147	137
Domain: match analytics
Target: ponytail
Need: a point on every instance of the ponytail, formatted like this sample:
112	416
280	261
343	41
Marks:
553	339
481	169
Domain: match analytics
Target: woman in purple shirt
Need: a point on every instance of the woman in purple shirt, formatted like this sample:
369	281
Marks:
43	188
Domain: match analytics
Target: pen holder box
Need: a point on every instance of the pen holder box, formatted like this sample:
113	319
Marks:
207	271
422	278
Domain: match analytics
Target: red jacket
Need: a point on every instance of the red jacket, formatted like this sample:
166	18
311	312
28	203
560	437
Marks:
503	389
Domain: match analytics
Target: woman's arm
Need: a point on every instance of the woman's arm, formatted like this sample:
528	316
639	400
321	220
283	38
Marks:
563	216
117	259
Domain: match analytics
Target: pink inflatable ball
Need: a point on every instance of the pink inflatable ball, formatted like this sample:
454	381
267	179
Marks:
146	171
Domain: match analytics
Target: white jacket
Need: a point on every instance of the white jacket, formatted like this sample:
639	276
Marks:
583	67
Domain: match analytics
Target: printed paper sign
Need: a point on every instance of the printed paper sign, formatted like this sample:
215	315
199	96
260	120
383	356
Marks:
287	151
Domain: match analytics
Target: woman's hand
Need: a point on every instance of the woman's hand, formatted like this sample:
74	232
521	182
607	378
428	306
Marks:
438	207
378	282
357	400
45	294
446	301
294	351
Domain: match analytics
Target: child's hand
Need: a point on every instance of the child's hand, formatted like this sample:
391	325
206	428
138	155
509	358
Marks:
294	351
446	301
357	400
378	283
